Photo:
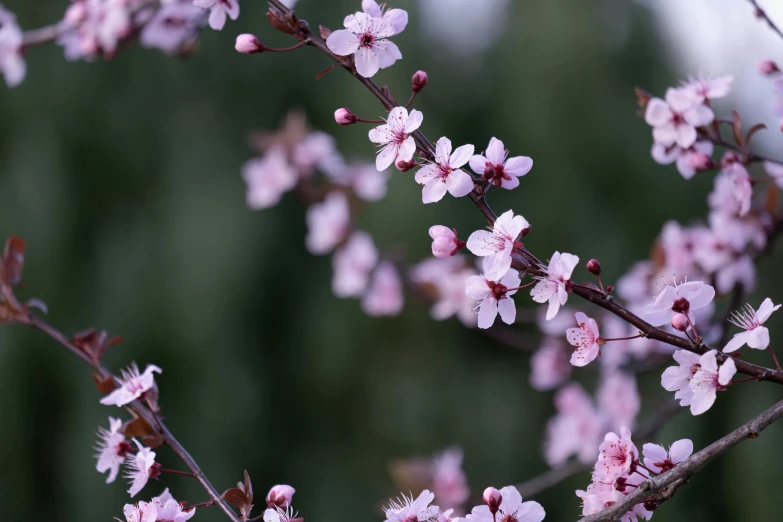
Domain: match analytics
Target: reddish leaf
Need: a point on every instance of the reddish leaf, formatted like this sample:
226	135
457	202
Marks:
236	497
771	199
325	32
153	441
280	23
736	127
248	488
138	427
642	97
753	130
13	261
105	386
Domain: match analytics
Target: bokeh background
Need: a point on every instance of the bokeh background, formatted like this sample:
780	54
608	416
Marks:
124	178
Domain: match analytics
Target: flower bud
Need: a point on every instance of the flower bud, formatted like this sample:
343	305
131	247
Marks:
680	322
699	161
594	267
768	67
728	158
345	117
419	81
404	166
444	241
492	498
248	44
280	496
609	289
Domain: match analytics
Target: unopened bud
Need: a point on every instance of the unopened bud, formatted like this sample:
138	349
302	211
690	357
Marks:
728	158
404	166
680	322
768	67
345	117
280	496
492	498
609	289
594	267
248	44
419	81
699	161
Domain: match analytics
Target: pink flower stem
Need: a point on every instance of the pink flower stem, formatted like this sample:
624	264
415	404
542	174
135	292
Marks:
370	121
521	287
201	505
693	327
625	339
775	357
413	97
175	472
748	379
285	49
639	463
600	284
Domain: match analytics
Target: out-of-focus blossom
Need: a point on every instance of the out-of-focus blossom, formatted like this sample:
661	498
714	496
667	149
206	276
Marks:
398	18
755	335
97	27
445	280
12	65
575	430
384	295
446	173
268	178
742	186
132	385
549	365
618	397
494	297
552	287
775	171
696	158
218	11
449	483
708	380
316	147
352	265
365	37
112	449
587	340
674	121
394	137
703	89
173	27
327	223
496	246
497	169
659	460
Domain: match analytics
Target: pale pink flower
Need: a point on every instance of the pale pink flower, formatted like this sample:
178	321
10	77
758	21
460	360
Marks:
689	161
327	223
703	89
280	496
140	467
313	150
444	241
141	512
634	286
279	515
742	186
708	380
755	335
723	197
740	271
98	26
173	27
366	37
218	11
352	265
384	295
499	170
268	178
12	65
618	398
366	181
496	246
683	298
775	170
575	430
448	277
616	455
408	509
549	365
511	509
132	385
169	510
112	449
446	174
494	297
553	286
394	137
398	18
674	121
587	340
659	460
449	483
678	378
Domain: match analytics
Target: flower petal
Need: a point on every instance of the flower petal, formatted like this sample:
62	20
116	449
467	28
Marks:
343	42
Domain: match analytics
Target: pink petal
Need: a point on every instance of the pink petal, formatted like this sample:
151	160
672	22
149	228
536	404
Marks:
461	156
433	191
414	121
681	450
386	157
518	165
507	310
407	149
487	312
657	112
459	183
496	154
217	19
367	62
443	151
343	42
387	52
478	163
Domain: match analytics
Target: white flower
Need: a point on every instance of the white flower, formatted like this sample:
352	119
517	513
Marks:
586	338
366	37
657	459
552	287
132	385
511	509
678	378
674	121
755	335
394	137
708	380
140	467
218	9
112	449
495	297
446	173
496	246
499	170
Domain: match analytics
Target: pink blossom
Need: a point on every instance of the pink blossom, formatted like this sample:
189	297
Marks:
617	455
678	378
384	295
419	81
218	10
268	178
327	223
446	174
408	509
169	510
394	137
674	121
140	467
112	449
141	512
634	285
586	339
280	515
618	398
775	170
366	181
449	483
366	37
659	460
494	297
352	265
280	496
549	366
703	89
496	246
398	18
689	161
683	298
708	380
345	117
97	26
495	168
553	286
768	67
12	65
511	509
742	187
448	278
248	44
444	241
575	430
755	335
313	150
173	27
132	385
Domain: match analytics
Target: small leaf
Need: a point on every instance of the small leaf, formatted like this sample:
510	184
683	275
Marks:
280	23
736	127
325	32
105	386
771	199
642	97
753	130
153	441
236	497
248	487
138	427
13	261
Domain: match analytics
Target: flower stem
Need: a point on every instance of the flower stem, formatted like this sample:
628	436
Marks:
201	505
625	339
176	472
775	357
413	97
285	49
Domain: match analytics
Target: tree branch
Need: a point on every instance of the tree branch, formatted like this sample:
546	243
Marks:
763	16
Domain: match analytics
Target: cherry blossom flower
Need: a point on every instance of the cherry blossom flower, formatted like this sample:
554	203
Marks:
495	297
554	286
280	496
678	378
445	516
689	161
446	174
444	241
173	27
586	339
708	380
132	385
618	398
575	430
169	510
445	279
268	178
449	483
495	168
617	455
12	65
703	89
140	467
97	26
366	181
141	512
112	449
280	515
496	246
327	223
398	18
755	335
218	10
312	150
742	186
384	295
657	459
511	508
549	365
683	298
394	137
408	509
249	44
352	265
674	121
366	37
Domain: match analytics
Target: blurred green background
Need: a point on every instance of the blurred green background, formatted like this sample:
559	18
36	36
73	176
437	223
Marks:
124	178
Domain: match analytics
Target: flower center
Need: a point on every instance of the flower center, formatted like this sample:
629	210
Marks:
495	174
498	290
366	40
678	118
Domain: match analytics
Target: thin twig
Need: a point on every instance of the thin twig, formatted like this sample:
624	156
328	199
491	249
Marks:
760	13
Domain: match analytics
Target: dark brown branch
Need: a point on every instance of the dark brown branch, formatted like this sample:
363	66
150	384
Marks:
664	485
139	408
761	14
